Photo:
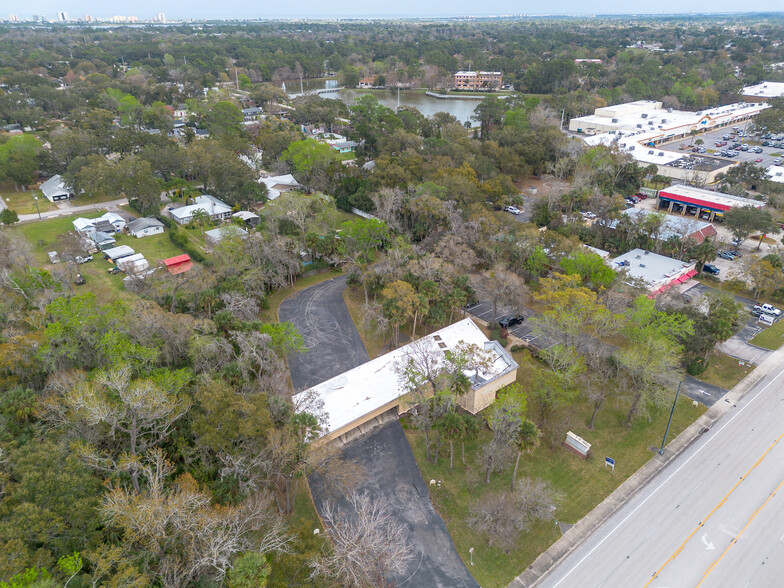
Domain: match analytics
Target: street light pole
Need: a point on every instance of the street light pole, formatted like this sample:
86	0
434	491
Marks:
36	208
672	411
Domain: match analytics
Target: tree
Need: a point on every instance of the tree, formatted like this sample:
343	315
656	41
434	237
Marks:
502	516
400	303
595	274
703	252
489	113
19	160
761	274
451	426
191	537
502	287
8	216
470	432
224	120
744	220
249	570
139	415
358	242
133	177
526	440
505	417
368	544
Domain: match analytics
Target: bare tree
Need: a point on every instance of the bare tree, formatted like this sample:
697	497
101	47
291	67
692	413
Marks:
185	535
368	544
502	516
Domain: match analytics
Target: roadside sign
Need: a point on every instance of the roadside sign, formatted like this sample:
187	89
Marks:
608	461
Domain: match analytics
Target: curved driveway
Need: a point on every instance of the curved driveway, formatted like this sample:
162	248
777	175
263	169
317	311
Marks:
333	343
392	474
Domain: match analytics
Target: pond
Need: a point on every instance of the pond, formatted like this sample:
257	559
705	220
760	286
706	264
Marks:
461	109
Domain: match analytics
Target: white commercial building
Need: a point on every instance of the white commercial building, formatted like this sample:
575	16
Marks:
656	272
776	173
356	397
763	92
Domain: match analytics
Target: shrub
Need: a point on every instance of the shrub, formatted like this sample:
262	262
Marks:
696	366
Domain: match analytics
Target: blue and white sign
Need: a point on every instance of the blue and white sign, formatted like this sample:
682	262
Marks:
608	461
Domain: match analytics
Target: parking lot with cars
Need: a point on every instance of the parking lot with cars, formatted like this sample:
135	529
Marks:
764	156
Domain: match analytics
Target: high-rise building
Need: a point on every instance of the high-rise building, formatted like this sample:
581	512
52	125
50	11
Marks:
36	18
13	18
161	17
62	16
88	18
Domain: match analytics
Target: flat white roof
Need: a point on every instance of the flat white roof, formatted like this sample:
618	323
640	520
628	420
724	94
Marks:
719	198
118	252
765	90
350	396
776	173
651	268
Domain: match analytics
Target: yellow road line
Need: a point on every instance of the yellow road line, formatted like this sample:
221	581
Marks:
712	512
735	539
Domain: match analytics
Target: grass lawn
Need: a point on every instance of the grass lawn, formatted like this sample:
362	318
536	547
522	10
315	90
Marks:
374	343
97	198
348	156
154	248
770	338
724	371
43	235
582	483
24	202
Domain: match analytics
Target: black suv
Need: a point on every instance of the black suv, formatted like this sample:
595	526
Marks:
511	320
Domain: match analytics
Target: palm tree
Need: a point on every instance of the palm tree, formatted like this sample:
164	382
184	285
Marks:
451	426
526	440
470	432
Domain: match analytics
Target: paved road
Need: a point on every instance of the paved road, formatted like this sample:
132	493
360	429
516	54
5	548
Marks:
333	343
69	210
714	516
393	477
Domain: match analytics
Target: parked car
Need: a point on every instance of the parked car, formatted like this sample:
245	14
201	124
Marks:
641	196
513	209
737	241
721	143
735	253
511	320
711	269
725	255
768	309
589	214
777	161
79	280
80	260
758	160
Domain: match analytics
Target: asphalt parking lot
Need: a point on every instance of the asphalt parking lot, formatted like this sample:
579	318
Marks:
711	137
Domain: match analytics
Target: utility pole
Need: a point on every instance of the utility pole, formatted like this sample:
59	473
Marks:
672	411
563	110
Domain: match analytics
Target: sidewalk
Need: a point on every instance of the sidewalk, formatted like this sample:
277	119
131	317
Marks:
69	210
585	526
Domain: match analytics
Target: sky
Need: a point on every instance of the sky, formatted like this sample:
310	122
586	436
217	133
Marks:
230	9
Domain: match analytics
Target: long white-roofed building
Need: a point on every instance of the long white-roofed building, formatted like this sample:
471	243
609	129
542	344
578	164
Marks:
357	397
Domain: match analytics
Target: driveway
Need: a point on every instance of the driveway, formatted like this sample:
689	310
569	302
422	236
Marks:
392	474
333	343
737	346
393	477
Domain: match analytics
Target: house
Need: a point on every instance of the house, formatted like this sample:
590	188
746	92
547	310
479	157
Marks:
101	240
215	236
369	82
180	111
276	185
249	219
55	189
110	222
144	227
116	253
215	209
179	264
345	146
251	114
368	391
201	133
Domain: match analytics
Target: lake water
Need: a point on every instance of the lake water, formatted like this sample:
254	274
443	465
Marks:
461	109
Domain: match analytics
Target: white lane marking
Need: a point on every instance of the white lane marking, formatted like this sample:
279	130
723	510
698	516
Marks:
683	465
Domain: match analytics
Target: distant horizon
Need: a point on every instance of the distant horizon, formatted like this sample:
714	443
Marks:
179	10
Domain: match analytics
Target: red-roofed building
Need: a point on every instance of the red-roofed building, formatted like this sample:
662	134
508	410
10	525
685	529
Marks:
369	82
178	265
